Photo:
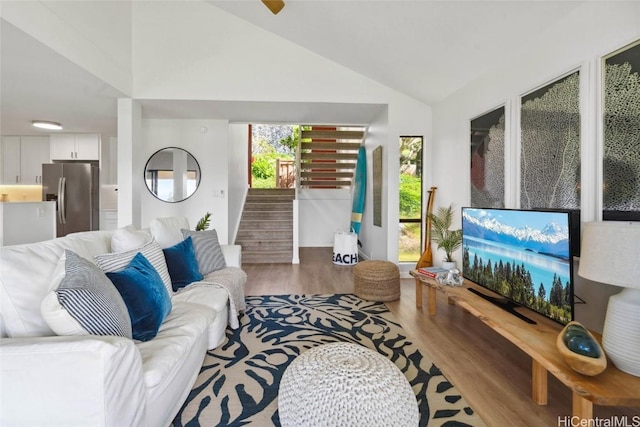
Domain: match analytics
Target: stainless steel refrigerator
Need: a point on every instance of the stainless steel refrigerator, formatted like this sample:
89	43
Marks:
75	188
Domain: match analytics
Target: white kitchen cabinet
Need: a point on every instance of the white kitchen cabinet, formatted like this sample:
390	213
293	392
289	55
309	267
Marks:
75	146
22	159
34	151
10	160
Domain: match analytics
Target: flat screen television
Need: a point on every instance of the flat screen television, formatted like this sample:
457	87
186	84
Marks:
522	255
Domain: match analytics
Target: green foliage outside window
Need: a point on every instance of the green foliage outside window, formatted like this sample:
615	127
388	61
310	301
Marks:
410	196
271	142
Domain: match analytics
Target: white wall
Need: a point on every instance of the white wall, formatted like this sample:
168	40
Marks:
207	141
375	239
238	174
95	35
130	175
216	55
579	41
321	214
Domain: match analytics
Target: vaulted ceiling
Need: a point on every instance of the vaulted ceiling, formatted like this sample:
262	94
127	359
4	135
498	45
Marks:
425	49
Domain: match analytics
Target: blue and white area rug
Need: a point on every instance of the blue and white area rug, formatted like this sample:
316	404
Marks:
238	383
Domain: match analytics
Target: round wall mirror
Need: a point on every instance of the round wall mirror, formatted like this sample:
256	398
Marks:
172	174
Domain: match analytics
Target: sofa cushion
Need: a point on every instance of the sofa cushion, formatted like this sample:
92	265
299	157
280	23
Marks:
84	301
128	238
113	262
208	251
25	278
203	293
167	230
145	295
163	356
182	264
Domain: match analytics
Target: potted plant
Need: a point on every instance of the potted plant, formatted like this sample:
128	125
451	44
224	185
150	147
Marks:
448	240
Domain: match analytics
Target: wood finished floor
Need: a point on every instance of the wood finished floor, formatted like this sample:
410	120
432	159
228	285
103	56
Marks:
491	373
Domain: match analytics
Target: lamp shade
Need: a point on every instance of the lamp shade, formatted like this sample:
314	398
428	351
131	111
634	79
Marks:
609	253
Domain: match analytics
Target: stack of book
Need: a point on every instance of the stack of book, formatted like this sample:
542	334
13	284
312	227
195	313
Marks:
432	271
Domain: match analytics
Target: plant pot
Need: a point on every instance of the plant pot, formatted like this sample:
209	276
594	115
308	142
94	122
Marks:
448	265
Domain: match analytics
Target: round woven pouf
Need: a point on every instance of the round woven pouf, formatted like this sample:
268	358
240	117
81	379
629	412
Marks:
376	280
344	384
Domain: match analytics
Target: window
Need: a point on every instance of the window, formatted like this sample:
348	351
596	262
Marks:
410	241
161	183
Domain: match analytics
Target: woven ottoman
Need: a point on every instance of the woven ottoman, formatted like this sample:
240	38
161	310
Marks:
376	280
344	384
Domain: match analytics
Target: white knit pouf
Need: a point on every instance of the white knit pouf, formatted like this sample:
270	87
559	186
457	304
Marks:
344	384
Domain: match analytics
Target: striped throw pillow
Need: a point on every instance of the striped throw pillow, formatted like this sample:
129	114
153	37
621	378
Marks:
208	251
118	261
84	301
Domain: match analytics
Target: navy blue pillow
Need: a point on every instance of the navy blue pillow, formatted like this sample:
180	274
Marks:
145	296
182	264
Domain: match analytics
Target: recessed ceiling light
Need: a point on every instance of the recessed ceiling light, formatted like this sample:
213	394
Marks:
44	124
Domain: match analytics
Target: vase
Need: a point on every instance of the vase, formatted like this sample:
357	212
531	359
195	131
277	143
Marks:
448	265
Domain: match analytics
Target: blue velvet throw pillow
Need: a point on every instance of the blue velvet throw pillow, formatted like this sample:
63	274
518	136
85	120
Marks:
145	296
182	264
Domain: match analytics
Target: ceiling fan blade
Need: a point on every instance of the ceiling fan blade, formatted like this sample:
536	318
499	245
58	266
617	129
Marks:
274	6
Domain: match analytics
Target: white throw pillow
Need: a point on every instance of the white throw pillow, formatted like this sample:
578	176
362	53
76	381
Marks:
118	261
167	231
127	238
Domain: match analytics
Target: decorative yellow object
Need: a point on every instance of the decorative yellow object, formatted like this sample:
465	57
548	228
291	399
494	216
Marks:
581	350
426	259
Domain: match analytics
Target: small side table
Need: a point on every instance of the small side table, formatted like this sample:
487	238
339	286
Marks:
432	286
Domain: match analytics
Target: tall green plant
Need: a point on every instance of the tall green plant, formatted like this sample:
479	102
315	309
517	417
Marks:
448	240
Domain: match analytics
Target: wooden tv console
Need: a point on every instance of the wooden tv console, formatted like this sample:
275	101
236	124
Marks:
610	388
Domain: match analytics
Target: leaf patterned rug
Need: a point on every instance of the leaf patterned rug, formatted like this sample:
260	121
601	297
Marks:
238	383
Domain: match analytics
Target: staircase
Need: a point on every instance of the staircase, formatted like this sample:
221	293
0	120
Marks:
328	155
266	226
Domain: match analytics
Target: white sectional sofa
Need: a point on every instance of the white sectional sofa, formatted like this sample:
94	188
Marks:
49	379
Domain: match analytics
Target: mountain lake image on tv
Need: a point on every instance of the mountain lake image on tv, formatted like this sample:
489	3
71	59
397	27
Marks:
523	255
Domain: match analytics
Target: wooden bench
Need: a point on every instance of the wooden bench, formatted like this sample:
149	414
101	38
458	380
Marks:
610	388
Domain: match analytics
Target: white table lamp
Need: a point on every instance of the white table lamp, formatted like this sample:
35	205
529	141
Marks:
610	253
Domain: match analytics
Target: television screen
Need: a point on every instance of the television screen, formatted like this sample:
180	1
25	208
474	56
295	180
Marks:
523	255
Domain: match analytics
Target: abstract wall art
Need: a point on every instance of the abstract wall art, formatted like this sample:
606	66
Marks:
487	159
550	145
621	131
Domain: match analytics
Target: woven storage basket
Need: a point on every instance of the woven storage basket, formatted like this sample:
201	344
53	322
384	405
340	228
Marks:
376	280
